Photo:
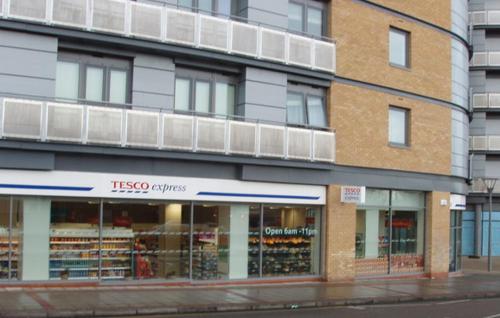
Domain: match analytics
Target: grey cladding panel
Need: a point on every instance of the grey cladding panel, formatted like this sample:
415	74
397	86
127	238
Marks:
27	86
10	57
273	13
15	159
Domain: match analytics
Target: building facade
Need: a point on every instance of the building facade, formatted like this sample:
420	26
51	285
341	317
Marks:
222	140
483	129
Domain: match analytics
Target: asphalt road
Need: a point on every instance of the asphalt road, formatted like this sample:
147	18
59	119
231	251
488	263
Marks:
478	308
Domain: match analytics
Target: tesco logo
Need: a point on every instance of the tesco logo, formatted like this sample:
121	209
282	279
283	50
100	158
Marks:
145	187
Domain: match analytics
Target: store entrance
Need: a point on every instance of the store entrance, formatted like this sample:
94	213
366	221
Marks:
455	241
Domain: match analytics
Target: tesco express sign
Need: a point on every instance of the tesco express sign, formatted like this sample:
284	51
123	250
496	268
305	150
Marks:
353	194
145	187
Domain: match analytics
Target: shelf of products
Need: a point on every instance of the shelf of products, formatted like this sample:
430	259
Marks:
4	254
286	255
74	254
253	254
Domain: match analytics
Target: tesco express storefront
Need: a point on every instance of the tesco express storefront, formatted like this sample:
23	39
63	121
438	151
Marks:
59	225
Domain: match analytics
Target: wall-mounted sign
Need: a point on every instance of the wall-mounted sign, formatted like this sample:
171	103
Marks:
144	187
303	231
353	194
457	202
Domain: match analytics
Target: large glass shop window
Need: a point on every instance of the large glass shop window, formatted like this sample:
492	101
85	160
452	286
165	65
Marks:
390	233
145	240
5	242
291	241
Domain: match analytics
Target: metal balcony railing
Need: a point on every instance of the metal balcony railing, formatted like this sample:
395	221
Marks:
488	17
47	121
156	23
484	143
486	100
485	59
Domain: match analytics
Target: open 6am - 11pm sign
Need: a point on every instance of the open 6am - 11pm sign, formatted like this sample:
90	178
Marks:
353	194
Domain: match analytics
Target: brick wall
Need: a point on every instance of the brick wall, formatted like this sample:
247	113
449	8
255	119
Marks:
437	234
362	36
360	117
340	236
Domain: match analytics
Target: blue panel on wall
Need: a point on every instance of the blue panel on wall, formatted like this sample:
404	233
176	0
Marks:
468	237
496	234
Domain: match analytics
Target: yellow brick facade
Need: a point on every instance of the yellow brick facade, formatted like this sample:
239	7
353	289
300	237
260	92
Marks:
437	234
433	11
362	36
361	119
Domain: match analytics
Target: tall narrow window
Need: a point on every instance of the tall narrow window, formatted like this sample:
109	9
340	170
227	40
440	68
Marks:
398	126
316	111
315	21
67	78
295	16
224	99
182	94
118	87
399	47
295	109
202	97
94	84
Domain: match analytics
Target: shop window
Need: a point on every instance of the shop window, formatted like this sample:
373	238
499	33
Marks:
390	233
223	8
306	106
74	243
307	16
399	119
5	238
455	241
399	47
153	240
93	79
205	93
291	241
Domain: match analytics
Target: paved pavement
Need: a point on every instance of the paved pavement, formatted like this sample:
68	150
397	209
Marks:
140	300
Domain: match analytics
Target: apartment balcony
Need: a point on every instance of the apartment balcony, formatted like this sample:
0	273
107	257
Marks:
485	18
486	101
485	143
485	59
169	25
52	122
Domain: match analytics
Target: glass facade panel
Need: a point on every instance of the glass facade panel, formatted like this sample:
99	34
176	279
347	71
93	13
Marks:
185	3
224	7
74	240
372	242
224	99
315	21
407	244
291	241
390	233
455	241
205	5
182	94
295	109
254	235
67	79
295	17
64	239
145	240
94	84
316	111
202	98
118	87
5	242
398	47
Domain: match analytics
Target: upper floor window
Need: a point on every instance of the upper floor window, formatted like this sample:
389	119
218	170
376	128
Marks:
306	106
90	78
307	16
205	92
399	119
217	7
399	47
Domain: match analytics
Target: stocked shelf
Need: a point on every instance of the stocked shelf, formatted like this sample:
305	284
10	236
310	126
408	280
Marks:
74	254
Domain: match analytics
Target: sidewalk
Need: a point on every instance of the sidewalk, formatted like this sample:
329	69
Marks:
141	300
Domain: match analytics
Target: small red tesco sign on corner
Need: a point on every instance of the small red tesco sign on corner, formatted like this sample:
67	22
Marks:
353	194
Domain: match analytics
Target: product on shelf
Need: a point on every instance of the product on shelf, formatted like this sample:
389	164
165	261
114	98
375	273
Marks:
74	254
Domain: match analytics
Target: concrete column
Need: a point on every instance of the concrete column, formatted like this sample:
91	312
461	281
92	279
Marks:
35	224
171	218
238	242
372	233
478	231
437	234
340	237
